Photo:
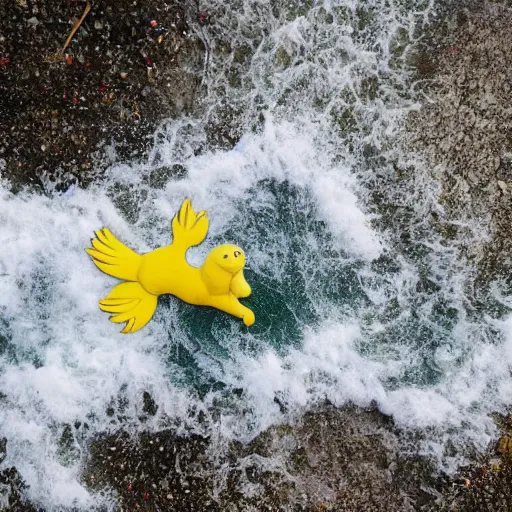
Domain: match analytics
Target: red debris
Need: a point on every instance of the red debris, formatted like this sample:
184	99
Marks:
129	486
146	496
453	50
103	88
149	62
202	18
4	61
154	23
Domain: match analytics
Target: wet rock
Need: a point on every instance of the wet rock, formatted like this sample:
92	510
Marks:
465	132
466	126
350	459
3	449
159	471
282	58
332	459
149	406
115	82
485	486
12	487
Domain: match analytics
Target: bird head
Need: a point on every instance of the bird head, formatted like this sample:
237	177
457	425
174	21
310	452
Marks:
228	257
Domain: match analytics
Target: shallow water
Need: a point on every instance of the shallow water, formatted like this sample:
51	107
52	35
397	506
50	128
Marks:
349	305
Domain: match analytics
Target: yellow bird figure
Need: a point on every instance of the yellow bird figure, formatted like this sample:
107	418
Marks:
219	283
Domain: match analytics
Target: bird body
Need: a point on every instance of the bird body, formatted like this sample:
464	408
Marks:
219	283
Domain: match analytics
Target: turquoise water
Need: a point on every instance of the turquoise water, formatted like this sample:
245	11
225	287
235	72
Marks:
311	271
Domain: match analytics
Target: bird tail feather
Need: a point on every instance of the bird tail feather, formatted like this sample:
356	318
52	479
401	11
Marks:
129	302
188	227
113	257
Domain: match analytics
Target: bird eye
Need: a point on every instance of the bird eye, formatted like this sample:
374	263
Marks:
225	256
237	253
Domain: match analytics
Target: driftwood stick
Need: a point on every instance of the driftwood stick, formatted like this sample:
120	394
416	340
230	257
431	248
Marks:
60	53
76	26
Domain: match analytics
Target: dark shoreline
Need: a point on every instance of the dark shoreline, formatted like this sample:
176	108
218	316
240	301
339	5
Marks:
334	460
127	68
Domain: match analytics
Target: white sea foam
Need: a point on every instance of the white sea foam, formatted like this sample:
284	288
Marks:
51	291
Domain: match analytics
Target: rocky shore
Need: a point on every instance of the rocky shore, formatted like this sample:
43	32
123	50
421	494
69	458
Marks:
330	460
463	134
464	129
67	113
